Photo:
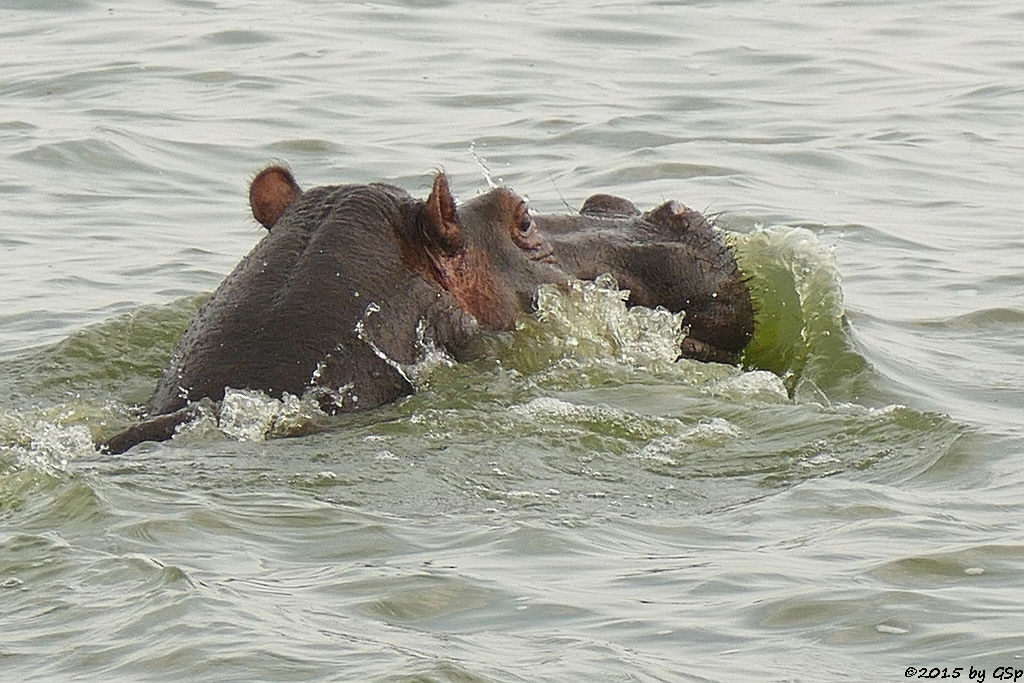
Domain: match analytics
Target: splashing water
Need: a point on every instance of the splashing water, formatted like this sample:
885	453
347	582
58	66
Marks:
585	334
45	446
591	320
800	324
429	355
371	309
253	416
481	162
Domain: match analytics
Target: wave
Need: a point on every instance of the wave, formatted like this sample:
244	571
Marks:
583	375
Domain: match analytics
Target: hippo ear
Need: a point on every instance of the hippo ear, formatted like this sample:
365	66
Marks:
439	222
271	192
608	206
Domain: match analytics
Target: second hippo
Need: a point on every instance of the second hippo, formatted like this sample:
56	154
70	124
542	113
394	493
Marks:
670	256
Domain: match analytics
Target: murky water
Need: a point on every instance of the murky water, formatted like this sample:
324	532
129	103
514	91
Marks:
577	504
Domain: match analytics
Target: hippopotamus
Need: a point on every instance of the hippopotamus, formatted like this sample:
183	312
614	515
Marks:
352	282
670	256
344	291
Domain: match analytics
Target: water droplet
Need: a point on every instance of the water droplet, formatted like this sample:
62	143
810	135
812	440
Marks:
483	166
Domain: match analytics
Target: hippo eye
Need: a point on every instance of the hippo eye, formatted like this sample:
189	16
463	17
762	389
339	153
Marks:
524	230
526	224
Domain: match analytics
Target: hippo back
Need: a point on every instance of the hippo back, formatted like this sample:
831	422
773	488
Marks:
324	299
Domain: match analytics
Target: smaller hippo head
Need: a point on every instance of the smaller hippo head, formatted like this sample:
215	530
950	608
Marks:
669	256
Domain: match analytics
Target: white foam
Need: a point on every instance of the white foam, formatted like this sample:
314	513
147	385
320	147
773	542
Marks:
590	319
254	416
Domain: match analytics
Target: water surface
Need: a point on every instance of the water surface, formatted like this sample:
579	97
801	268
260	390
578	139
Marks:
556	511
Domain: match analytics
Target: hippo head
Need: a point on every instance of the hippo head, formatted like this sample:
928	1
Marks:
670	256
487	253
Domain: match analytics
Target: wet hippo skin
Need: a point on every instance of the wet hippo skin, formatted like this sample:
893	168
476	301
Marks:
669	256
344	289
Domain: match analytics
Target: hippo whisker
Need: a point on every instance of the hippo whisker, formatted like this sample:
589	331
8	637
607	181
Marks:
712	218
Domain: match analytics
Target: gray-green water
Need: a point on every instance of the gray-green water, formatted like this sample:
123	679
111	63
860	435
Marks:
575	506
